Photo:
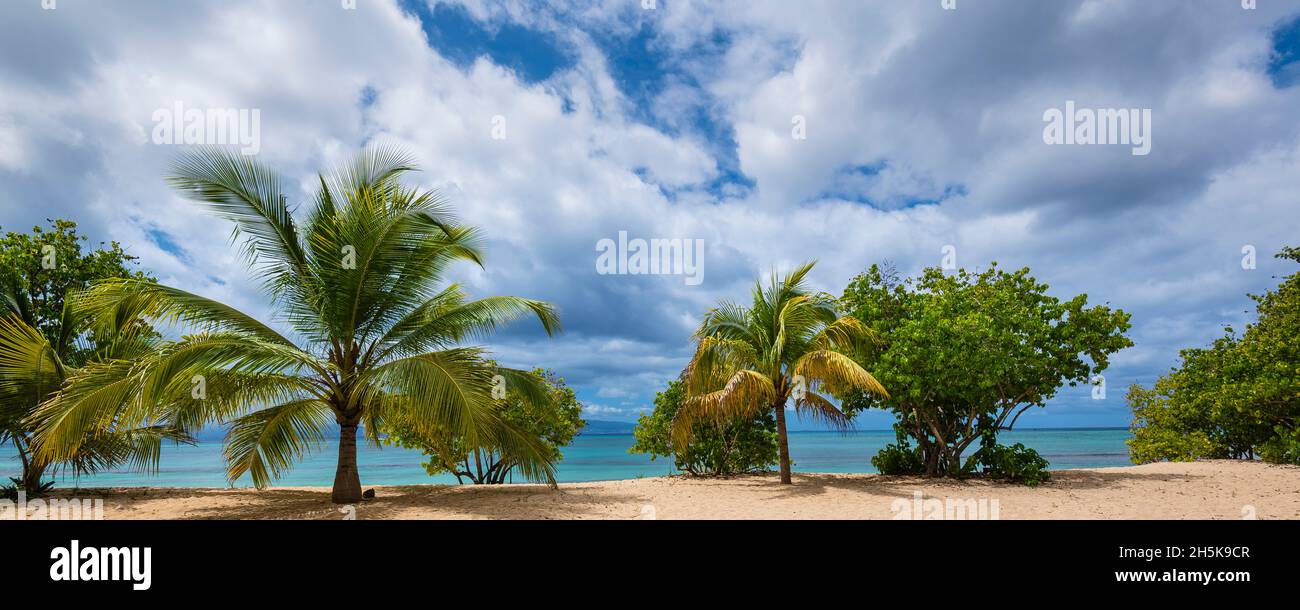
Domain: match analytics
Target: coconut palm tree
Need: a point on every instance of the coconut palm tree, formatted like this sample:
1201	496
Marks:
34	367
787	344
376	333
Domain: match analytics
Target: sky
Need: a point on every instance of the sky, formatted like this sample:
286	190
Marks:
853	133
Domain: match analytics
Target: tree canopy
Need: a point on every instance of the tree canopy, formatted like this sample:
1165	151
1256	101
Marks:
45	338
789	345
1237	398
965	354
554	421
716	448
377	335
41	269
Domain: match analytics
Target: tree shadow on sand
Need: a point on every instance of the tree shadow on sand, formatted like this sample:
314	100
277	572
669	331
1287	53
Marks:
405	502
806	485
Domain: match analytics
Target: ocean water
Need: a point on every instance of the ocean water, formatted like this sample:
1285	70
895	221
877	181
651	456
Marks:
588	458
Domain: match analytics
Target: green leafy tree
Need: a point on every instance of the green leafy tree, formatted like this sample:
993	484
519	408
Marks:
44	338
41	269
1239	398
717	448
555	421
965	354
788	345
376	332
1167	430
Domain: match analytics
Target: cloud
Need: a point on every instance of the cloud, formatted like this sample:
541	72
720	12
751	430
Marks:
923	130
603	411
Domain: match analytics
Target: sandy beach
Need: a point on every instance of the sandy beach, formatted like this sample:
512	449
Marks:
1202	490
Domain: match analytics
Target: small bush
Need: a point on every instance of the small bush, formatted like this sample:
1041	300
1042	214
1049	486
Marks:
735	447
1283	448
898	459
1017	463
10	492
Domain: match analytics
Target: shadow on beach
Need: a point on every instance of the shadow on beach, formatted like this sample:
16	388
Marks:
813	484
1203	490
404	502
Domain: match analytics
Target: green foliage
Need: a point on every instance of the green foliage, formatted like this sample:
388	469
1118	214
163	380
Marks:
1283	447
378	335
898	459
789	345
1017	463
39	270
10	492
44	337
1239	398
554	421
1167	430
715	448
965	354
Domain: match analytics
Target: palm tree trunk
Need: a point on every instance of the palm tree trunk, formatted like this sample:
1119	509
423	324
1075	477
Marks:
32	479
33	471
783	443
347	481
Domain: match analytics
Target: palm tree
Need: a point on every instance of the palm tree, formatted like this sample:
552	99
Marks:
788	343
377	334
34	367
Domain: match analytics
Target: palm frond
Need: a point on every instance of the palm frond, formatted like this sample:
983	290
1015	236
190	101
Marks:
837	373
236	372
815	407
266	442
526	453
244	191
139	449
449	389
847	334
746	394
446	319
29	367
531	388
104	302
716	359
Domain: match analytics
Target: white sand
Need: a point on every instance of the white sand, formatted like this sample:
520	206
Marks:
1203	490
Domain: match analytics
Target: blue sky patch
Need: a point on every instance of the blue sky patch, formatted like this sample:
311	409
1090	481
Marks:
644	70
164	240
455	34
1284	65
368	96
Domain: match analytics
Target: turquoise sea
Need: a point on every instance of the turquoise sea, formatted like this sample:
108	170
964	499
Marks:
588	458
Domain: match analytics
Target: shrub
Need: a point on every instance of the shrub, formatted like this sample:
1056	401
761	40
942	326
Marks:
1017	463
737	447
898	459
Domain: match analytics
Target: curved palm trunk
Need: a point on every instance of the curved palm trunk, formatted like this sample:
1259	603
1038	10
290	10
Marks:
783	443
347	481
33	471
32	476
